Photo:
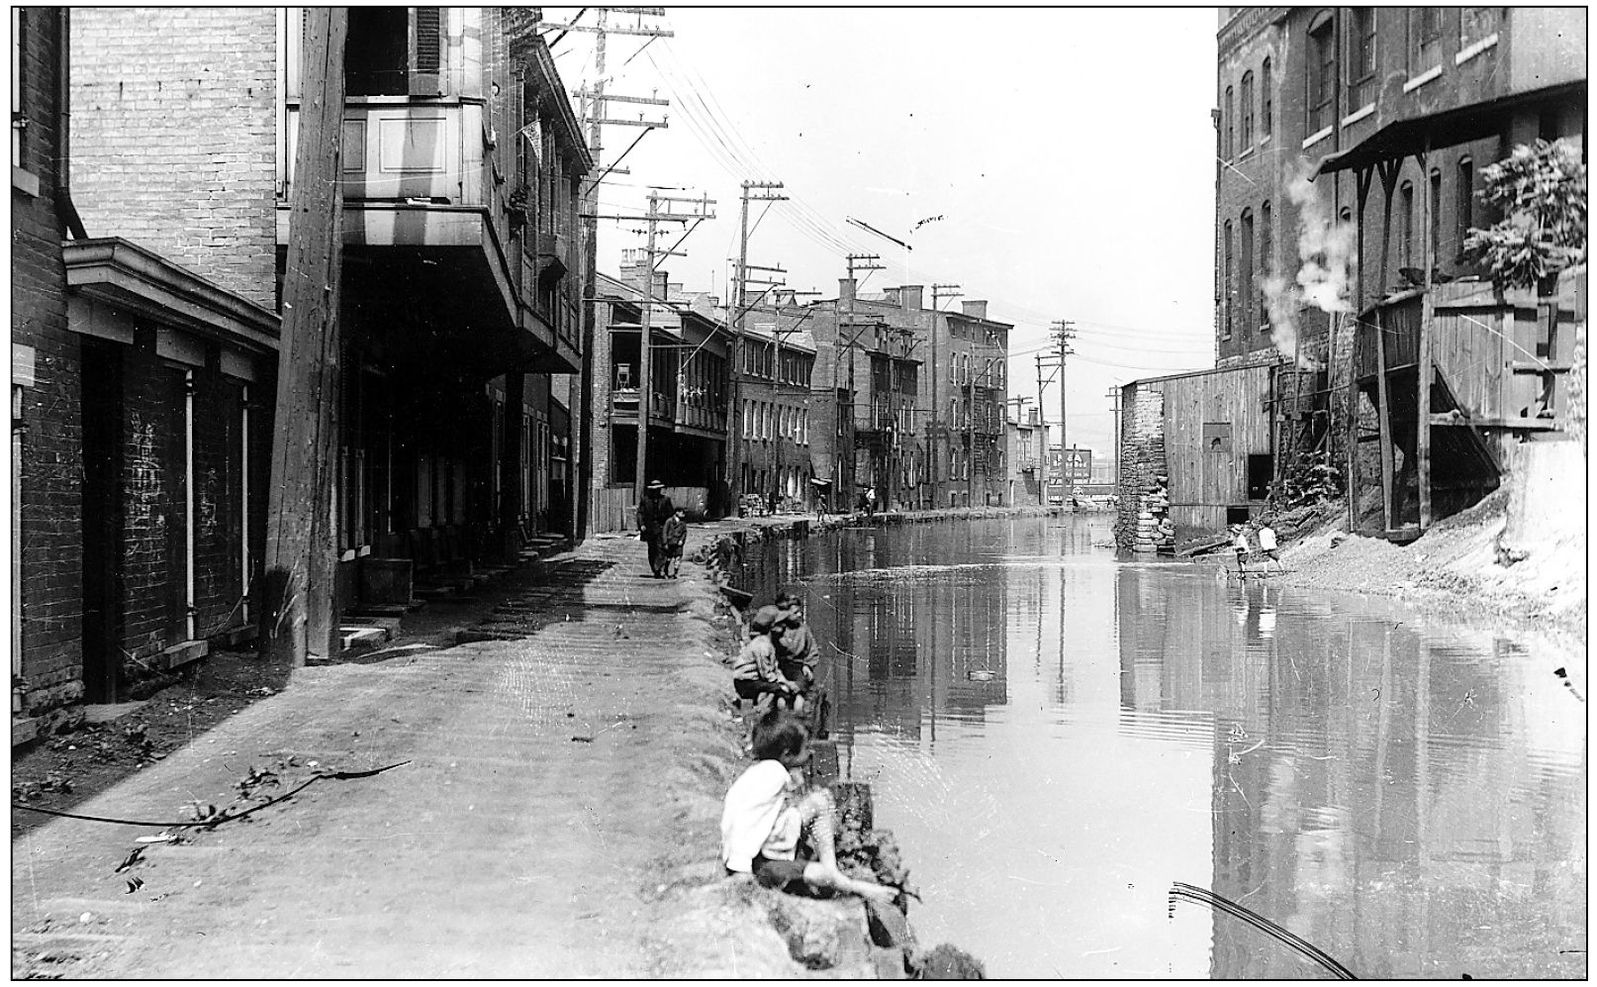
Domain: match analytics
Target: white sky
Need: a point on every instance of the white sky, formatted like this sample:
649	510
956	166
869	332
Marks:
1069	151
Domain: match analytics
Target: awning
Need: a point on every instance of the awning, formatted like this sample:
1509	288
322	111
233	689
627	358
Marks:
821	466
1458	125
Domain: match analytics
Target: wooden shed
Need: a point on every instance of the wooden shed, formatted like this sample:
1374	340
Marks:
1201	444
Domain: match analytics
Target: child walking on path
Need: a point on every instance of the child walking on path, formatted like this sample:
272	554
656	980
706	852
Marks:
673	536
764	818
1268	547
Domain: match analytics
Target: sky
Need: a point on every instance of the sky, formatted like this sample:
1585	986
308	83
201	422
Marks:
1068	152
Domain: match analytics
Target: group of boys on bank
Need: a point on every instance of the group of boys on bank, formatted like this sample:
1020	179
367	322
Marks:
773	826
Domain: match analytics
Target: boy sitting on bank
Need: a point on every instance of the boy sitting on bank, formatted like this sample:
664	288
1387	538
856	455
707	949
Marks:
764	818
755	674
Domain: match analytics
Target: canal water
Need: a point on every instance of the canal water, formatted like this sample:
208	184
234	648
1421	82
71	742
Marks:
1056	738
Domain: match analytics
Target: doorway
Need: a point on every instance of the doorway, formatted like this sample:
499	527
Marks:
102	415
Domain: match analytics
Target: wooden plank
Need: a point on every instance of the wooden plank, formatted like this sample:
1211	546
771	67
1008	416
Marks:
1383	411
1526	367
1422	425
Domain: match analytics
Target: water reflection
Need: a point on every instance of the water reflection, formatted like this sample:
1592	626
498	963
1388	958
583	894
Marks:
1058	737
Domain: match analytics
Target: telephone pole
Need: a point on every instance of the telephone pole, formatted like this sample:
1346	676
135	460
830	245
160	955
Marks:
593	113
1050	363
301	544
752	192
856	263
939	292
1064	332
1113	394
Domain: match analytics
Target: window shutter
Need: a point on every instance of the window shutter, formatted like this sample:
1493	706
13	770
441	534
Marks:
426	51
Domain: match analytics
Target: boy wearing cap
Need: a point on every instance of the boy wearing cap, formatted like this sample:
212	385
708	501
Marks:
796	649
755	674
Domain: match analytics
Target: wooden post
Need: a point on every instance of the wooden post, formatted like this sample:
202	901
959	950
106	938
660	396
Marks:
1362	180
1422	421
1384	412
511	465
301	535
645	366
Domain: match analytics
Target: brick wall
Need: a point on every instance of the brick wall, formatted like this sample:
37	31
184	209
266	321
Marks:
150	568
50	532
173	137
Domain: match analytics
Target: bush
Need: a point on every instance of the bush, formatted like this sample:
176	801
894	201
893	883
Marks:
1540	190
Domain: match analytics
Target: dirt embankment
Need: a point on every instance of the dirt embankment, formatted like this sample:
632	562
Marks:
1458	564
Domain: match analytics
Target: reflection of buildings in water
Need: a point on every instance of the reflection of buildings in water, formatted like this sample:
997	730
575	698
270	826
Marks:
1386	816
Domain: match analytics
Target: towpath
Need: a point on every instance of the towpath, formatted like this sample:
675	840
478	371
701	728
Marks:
556	786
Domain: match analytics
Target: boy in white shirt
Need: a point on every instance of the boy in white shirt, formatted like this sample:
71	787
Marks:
1268	547
763	818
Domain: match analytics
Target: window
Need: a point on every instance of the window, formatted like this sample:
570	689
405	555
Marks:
1266	115
1361	57
1247	111
394	51
1435	207
19	114
1225	285
1464	213
1266	239
1229	113
1407	204
1322	74
1476	24
1424	39
1245	283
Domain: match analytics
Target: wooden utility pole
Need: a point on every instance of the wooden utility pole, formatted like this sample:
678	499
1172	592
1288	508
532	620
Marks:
653	217
1064	332
739	312
1422	441
1113	394
301	540
594	115
856	263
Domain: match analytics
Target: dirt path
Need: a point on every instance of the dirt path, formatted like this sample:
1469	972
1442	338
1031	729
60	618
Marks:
558	789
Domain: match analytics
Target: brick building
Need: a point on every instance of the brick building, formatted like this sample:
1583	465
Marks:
1026	462
144	428
966	452
460	287
689	365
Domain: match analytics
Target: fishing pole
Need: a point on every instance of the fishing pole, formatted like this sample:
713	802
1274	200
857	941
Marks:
1202	896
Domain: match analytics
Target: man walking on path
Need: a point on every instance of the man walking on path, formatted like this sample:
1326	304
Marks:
655	509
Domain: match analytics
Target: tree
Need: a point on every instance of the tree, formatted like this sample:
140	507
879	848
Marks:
1540	190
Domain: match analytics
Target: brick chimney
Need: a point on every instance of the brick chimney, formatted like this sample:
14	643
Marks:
909	296
975	309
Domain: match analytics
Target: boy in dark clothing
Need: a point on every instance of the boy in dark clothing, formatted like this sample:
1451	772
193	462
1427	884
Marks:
674	535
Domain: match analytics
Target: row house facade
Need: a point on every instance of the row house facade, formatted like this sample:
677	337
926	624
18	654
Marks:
147	274
460	297
775	376
969	391
689	381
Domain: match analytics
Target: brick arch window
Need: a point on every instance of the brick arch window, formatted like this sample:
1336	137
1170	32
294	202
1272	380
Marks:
1229	113
1406	198
1435	217
1361	57
1267	103
1247	110
1245	282
1321	80
1266	256
1464	209
1226	292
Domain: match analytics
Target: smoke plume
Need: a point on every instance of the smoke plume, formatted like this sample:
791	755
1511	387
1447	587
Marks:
1325	258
